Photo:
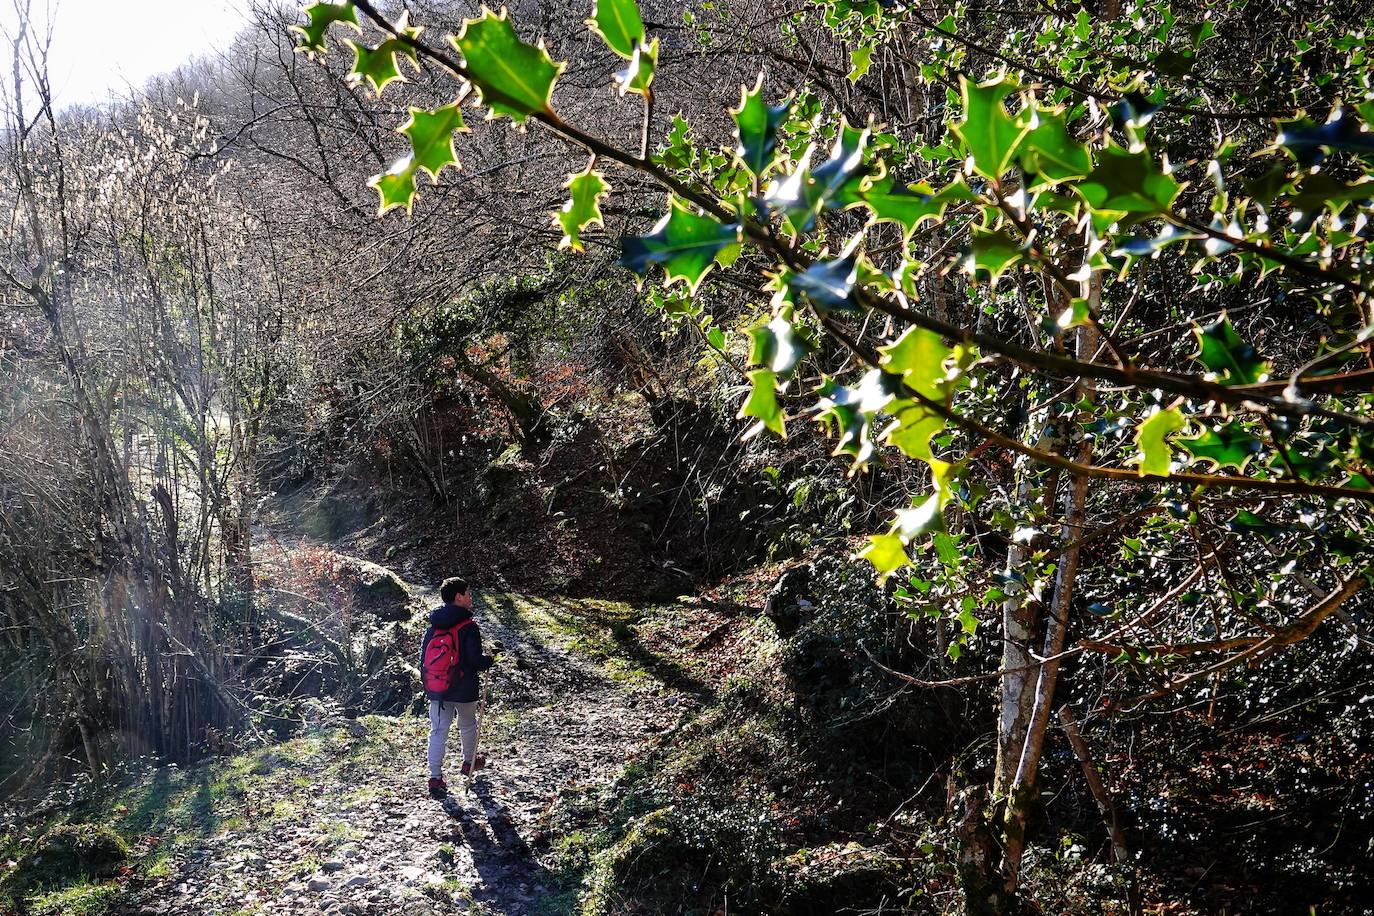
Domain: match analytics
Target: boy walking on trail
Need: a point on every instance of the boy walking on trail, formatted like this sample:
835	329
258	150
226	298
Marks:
450	661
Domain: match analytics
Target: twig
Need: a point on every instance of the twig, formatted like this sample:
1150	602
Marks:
1099	791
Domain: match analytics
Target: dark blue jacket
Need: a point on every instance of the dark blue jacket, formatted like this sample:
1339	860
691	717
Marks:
463	689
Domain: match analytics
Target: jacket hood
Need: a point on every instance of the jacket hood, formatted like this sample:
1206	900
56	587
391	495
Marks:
448	615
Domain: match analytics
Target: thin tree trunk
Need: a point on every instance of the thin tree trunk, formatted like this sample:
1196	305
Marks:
1019	620
978	857
1022	793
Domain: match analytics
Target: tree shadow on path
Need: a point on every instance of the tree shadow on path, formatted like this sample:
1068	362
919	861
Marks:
574	616
501	857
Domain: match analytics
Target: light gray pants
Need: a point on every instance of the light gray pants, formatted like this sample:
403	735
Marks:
441	717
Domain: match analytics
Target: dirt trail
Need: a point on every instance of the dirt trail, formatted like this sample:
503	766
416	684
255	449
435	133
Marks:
368	840
573	728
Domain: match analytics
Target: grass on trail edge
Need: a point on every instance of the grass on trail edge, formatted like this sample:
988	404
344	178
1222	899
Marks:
170	811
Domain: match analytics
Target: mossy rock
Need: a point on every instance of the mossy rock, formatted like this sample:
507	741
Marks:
783	606
840	878
380	591
501	486
335	515
649	857
393	688
652	841
65	855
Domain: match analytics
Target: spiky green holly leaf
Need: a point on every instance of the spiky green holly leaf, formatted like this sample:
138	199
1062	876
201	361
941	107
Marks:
678	150
395	186
1175	63
927	514
886	553
762	404
1201	31
1308	143
860	59
1077	313
756	128
1151	438
583	208
1134	112
801	196
850	428
1269	184
763	345
378	65
619	24
684	243
828	284
957	190
913	428
638	74
1049	152
990	135
839	174
875	391
908	206
1127	183
918	356
966	618
923	517
514	78
1151	246
1346	544
1225	354
848	413
792	196
991	253
322	16
1314	193
1360	480
1247	522
777	345
431	137
1304	464
1227	445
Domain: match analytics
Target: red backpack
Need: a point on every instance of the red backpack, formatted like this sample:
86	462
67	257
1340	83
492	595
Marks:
442	658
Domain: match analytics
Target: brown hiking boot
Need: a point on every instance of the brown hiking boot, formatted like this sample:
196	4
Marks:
478	763
437	787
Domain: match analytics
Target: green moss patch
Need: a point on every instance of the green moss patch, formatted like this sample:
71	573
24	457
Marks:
64	855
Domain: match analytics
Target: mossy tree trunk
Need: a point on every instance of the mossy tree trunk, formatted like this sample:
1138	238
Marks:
527	411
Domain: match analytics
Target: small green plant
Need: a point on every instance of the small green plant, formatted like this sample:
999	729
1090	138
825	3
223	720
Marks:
82	899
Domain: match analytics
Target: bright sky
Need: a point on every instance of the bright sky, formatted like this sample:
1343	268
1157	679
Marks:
102	47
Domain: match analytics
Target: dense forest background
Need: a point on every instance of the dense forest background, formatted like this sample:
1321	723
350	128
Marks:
1061	606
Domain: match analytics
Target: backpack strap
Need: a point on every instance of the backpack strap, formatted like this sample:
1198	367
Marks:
457	631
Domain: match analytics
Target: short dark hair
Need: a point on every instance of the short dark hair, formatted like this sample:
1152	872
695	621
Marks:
452	588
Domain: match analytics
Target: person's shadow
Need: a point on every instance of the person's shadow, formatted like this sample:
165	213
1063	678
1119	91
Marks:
501	856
